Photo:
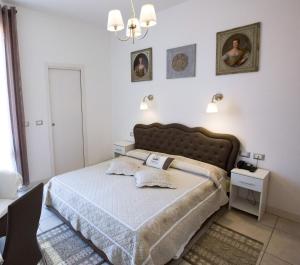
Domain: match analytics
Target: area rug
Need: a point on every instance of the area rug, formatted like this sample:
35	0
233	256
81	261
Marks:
62	246
223	246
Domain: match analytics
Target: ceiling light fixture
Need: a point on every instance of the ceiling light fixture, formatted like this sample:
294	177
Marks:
134	26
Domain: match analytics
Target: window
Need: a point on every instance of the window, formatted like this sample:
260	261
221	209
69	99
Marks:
7	158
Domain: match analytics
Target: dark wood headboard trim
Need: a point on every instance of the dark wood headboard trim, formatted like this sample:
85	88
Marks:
232	143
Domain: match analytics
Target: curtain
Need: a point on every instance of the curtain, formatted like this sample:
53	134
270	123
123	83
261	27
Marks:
14	87
7	154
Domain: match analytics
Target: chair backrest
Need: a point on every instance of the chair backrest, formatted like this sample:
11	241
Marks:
21	246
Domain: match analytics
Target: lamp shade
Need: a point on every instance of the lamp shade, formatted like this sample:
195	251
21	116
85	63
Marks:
212	108
137	30
115	20
144	105
148	16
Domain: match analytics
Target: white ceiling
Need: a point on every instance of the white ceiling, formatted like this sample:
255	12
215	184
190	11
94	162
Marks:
92	11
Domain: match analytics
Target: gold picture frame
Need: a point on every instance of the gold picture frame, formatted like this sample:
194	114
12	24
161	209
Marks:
141	65
238	50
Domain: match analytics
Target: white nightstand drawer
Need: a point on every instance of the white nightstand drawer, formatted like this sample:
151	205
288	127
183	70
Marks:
119	149
246	182
122	147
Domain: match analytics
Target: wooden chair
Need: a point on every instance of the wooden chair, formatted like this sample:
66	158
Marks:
23	215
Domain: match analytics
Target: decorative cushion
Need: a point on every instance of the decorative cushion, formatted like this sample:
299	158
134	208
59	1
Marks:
151	177
9	184
159	161
121	166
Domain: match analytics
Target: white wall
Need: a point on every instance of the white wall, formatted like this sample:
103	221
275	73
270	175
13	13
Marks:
261	108
48	39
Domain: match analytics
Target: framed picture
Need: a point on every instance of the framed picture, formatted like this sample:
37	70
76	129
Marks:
181	62
141	65
238	50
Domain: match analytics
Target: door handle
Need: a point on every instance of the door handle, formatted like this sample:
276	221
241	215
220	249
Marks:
53	124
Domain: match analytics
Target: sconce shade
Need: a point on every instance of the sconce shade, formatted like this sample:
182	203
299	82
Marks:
148	16
144	105
115	20
212	108
137	30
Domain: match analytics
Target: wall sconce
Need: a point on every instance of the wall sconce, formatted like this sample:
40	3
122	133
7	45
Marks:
212	107
145	102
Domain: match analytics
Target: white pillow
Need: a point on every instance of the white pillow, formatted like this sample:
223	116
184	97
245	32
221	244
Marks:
139	154
9	184
121	166
159	161
151	177
197	167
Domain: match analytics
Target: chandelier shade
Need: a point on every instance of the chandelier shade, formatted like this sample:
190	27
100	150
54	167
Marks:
115	21
148	16
133	28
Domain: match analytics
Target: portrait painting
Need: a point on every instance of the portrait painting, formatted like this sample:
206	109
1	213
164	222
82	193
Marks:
238	50
181	62
141	65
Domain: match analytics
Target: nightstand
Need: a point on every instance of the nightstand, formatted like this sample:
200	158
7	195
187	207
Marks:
122	147
248	191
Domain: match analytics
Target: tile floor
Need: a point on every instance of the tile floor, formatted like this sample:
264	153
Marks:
281	237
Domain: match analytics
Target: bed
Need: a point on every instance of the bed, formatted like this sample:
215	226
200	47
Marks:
144	226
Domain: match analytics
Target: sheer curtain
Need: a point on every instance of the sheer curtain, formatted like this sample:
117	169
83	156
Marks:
7	156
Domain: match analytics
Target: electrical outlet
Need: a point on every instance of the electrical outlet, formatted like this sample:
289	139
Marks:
258	156
245	154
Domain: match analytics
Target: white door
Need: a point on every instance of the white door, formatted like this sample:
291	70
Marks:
67	122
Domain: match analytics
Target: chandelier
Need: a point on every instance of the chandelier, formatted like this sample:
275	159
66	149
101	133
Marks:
134	26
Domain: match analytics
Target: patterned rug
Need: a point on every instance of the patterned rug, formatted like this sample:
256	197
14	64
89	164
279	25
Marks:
218	246
223	246
61	246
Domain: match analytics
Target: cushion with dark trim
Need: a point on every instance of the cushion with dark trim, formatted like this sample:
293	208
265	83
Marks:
159	161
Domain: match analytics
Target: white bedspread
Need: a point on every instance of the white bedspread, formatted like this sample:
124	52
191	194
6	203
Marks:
134	225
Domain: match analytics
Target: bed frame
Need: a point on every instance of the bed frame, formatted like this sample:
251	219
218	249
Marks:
197	143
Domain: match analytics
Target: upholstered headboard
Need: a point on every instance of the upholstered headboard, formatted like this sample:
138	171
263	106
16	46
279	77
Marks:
196	143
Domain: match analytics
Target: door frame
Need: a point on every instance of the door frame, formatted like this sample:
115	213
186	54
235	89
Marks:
70	67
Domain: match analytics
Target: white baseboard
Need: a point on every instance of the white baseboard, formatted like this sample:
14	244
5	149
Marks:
284	214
